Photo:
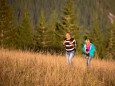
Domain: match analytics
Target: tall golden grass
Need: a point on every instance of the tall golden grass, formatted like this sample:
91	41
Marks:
22	68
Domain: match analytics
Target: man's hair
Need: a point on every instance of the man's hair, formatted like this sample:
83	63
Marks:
68	33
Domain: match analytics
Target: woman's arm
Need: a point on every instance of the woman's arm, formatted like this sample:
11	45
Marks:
83	48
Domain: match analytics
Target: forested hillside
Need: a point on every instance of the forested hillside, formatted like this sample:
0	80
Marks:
85	10
42	24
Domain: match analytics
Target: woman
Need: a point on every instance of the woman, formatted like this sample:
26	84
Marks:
88	49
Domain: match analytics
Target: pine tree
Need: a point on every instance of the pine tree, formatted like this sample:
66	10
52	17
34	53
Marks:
41	32
7	27
97	38
68	17
111	45
52	29
69	23
24	35
113	41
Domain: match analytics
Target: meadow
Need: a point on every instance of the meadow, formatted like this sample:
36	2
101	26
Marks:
24	68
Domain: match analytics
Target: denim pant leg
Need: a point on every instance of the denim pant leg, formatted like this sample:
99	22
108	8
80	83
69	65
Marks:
69	56
88	60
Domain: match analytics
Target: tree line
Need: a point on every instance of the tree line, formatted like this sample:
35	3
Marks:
48	34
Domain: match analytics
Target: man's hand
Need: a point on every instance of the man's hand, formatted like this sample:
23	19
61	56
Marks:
64	42
71	43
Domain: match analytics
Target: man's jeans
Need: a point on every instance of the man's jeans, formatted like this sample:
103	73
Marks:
69	56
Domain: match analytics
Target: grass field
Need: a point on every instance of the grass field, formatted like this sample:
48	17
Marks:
19	68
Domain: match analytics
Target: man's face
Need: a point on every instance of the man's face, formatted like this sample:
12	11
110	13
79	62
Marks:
68	36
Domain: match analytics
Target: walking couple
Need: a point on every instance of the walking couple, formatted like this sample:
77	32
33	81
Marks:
70	46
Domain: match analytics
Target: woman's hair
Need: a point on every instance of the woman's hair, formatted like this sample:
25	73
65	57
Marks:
87	39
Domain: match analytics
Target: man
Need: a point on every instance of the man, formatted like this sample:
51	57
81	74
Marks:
70	46
88	49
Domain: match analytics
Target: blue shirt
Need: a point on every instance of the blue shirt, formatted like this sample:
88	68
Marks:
91	51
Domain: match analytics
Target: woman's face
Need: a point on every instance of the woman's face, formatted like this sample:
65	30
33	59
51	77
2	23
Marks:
87	42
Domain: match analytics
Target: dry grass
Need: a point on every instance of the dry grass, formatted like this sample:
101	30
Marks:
19	68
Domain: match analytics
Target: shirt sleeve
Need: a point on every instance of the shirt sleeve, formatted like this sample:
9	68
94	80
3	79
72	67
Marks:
83	48
74	42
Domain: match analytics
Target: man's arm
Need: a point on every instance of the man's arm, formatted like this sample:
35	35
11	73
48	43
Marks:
64	42
73	43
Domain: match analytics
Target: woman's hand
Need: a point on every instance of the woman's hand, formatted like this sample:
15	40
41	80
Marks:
87	52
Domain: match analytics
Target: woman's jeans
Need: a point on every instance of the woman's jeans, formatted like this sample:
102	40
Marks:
88	58
69	56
